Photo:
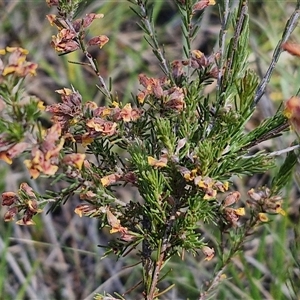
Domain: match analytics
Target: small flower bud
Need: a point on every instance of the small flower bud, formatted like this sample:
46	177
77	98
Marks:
10	214
200	5
208	252
254	196
232	198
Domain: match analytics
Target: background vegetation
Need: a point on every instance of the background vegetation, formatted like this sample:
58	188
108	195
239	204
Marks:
59	257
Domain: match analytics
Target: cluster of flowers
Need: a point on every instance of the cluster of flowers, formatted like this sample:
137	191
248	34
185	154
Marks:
25	200
13	67
16	63
73	116
71	34
82	122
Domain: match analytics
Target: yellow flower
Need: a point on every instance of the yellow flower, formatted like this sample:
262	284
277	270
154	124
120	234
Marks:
41	105
115	223
110	179
162	162
208	252
74	159
21	50
4	156
240	211
263	217
279	210
197	53
86	140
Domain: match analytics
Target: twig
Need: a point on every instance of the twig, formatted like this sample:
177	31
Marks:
286	150
222	43
289	28
267	136
152	35
237	33
213	283
91	60
162	256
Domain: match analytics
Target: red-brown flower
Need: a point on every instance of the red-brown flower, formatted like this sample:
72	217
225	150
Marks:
98	125
17	63
9	198
45	156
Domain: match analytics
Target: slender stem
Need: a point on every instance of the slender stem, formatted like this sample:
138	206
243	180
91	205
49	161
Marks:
237	33
213	283
236	247
289	28
268	135
162	256
95	68
286	150
150	31
222	43
91	60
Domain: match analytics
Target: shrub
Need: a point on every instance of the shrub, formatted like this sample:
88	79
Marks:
178	148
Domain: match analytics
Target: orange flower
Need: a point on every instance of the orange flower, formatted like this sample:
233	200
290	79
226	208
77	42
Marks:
210	194
153	85
74	159
86	140
38	164
12	152
203	4
292	112
232	216
197	54
291	48
89	195
100	41
190	176
114	223
5	157
128	113
45	157
208	252
110	179
204	183
17	49
222	187
187	174
65	41
175	99
102	126
25	200
141	96
162	162
84	210
17	64
279	210
89	18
